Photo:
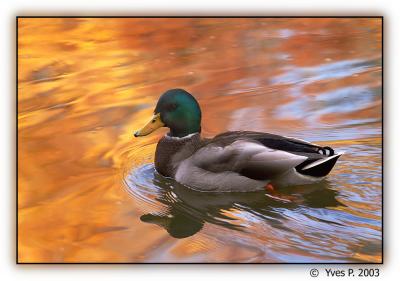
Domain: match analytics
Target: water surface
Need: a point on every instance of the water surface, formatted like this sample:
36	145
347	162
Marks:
88	191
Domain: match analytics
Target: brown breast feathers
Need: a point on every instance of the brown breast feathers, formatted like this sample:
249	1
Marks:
168	147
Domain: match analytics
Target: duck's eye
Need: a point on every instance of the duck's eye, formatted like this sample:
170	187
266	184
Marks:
171	107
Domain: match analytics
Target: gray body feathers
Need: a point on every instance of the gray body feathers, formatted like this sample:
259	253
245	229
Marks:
241	161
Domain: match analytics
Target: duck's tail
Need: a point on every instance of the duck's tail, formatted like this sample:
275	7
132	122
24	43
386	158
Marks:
318	168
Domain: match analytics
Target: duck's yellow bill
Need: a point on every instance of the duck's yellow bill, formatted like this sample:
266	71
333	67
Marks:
154	123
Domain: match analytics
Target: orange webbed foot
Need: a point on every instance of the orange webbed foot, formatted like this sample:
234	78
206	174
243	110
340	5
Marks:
274	194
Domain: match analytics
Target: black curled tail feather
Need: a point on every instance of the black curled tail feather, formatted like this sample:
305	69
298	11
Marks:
326	150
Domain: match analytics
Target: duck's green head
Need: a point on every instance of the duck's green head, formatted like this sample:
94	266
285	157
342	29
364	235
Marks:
179	111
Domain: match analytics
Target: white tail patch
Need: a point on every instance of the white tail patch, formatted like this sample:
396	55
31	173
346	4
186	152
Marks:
320	161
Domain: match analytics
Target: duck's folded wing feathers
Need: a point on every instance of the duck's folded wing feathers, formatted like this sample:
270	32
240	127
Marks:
246	157
288	144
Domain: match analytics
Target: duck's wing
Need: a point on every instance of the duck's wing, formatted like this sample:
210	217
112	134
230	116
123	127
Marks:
260	156
288	144
247	158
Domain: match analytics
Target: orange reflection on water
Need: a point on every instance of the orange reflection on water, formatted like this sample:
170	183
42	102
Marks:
84	85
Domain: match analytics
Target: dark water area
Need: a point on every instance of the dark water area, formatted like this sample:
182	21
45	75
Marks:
88	191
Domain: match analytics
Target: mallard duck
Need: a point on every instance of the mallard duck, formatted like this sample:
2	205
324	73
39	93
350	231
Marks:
236	161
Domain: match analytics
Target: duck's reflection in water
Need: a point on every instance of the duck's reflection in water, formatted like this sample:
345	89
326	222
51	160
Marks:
188	210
